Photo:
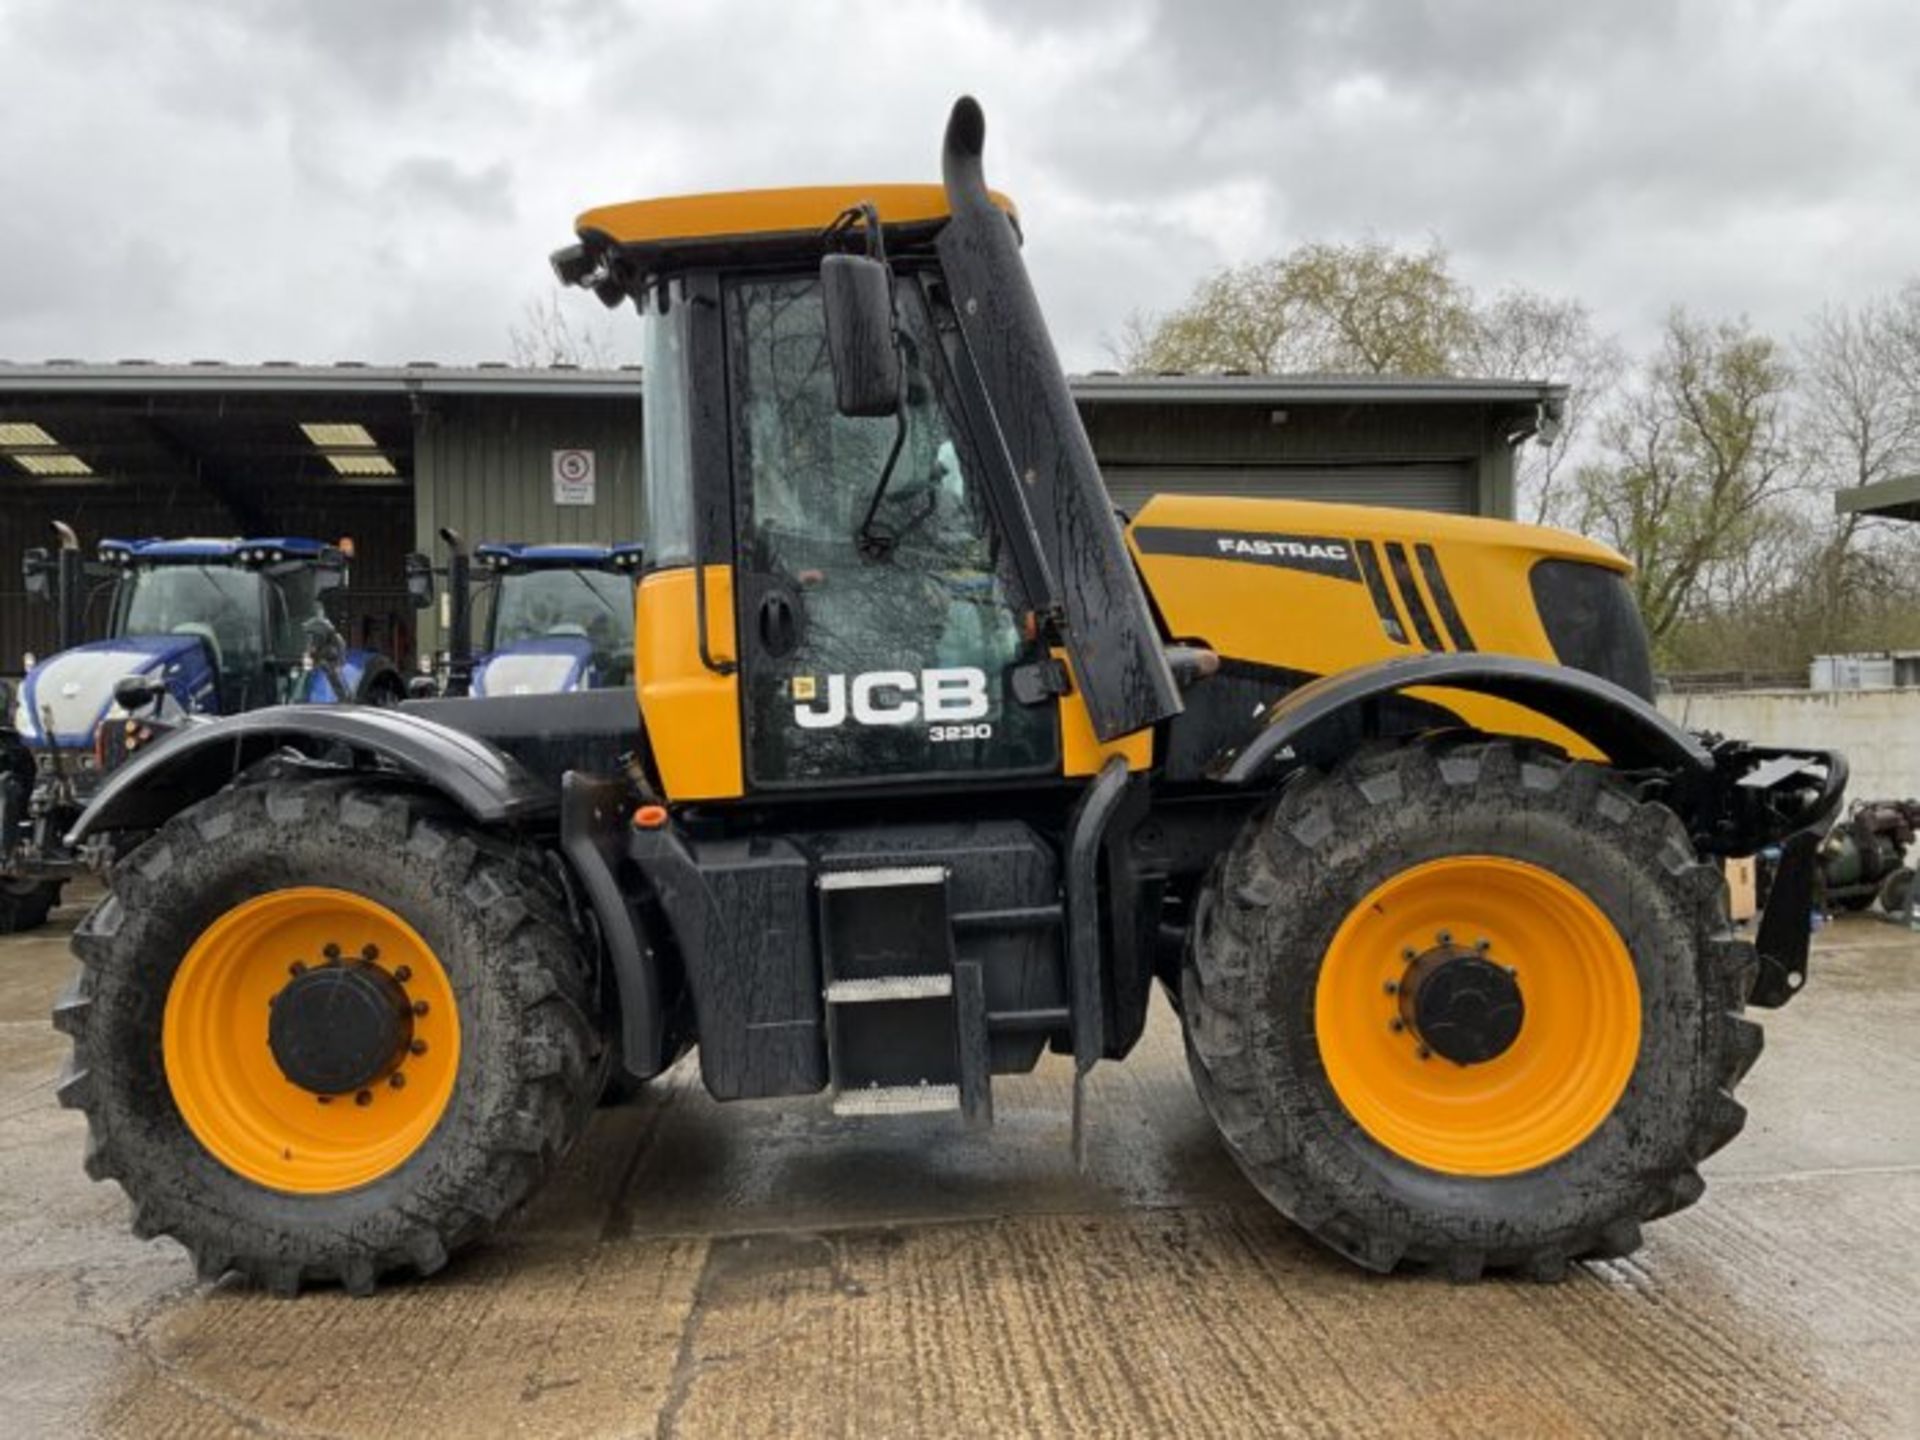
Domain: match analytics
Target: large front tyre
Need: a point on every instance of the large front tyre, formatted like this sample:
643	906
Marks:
1468	1005
325	1031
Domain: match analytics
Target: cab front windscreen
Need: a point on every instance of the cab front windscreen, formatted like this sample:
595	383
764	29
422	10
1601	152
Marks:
565	604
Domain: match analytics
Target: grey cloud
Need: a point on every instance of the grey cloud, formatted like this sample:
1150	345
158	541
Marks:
374	179
485	192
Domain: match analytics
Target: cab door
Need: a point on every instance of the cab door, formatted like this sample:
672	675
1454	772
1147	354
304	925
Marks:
878	637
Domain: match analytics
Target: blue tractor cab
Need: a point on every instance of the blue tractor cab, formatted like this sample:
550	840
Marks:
195	628
552	617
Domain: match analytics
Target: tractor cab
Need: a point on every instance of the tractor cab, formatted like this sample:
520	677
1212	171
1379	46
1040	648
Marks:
223	626
560	618
849	579
550	619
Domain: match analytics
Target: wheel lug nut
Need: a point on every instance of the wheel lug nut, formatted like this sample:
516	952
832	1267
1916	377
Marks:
419	1007
365	1097
417	1046
324	1099
1512	974
298	967
403	974
369	952
397	1081
332	952
1393	987
1409	953
1424	1053
1445	937
1396	1024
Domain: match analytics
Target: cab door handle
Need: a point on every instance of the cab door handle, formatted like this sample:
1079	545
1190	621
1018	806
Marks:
779	625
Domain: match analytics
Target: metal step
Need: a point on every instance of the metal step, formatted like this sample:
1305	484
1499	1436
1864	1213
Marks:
881	877
878	989
898	1100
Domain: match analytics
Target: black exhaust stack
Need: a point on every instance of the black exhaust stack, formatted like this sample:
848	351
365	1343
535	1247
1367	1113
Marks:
459	614
1051	473
70	588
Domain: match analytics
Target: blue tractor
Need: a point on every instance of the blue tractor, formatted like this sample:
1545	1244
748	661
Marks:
195	628
556	617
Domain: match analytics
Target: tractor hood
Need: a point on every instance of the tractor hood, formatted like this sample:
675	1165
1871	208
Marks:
536	667
67	695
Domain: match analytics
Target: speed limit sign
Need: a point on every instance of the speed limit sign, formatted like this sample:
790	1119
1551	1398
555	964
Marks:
573	477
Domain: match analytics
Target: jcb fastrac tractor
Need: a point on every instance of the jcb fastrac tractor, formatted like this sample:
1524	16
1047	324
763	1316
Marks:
195	628
557	617
938	765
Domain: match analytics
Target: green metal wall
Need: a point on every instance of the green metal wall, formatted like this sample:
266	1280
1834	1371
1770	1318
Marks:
1355	452
484	465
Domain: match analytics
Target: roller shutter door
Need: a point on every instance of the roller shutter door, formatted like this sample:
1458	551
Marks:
1446	487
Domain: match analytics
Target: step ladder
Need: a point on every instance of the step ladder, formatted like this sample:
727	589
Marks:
906	1020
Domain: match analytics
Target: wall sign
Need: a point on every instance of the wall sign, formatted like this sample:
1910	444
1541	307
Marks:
573	477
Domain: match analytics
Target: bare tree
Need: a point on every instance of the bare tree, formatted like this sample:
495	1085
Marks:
1860	389
1523	335
546	334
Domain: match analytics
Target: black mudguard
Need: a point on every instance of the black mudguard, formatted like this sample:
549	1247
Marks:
1620	724
593	837
1735	798
489	785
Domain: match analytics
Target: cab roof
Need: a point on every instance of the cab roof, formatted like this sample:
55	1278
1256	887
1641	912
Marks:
230	550
680	231
512	555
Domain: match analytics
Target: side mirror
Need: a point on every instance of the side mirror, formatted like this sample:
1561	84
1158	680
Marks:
133	693
36	569
419	580
858	293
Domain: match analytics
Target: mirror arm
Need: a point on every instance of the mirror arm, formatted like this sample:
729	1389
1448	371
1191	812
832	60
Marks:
872	544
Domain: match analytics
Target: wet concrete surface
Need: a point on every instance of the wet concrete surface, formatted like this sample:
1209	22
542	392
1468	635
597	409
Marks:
766	1269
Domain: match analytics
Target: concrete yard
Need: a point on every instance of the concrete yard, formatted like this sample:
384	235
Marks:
768	1270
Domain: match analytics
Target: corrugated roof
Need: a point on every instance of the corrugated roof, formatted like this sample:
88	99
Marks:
346	377
428	377
1311	389
1895	499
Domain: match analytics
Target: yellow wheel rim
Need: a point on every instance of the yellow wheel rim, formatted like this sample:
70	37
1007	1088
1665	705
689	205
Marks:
230	1086
1554	1083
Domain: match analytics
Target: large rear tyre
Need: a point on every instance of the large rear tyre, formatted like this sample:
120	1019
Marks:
25	904
1468	1005
325	1031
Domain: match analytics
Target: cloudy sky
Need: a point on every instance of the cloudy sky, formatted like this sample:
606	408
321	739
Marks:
383	179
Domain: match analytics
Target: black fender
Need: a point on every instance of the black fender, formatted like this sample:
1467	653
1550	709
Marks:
1735	798
1618	723
593	835
487	784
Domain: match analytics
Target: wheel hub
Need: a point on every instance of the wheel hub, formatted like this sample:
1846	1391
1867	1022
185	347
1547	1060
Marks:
338	1029
1461	1005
